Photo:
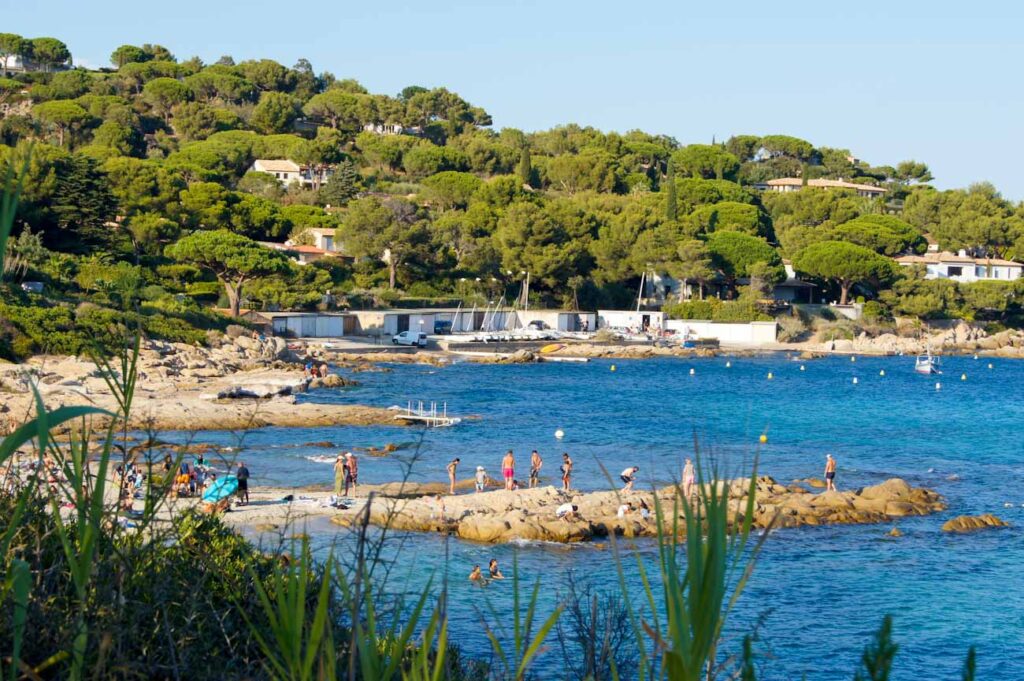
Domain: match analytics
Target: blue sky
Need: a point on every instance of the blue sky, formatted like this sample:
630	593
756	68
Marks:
934	81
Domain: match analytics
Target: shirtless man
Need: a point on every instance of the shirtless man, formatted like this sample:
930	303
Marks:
453	466
535	465
566	471
830	473
508	468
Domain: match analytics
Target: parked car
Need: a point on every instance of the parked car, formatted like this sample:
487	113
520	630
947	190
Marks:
410	338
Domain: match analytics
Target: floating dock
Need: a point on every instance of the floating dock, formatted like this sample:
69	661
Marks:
429	416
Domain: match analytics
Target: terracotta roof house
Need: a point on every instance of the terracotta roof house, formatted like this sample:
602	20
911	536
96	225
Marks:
795	184
962	267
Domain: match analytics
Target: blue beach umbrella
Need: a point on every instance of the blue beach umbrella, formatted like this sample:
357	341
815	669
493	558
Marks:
222	489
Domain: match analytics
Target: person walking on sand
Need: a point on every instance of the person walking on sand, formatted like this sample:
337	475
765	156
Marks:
453	467
351	472
536	463
242	474
566	471
340	474
689	478
508	468
628	476
830	473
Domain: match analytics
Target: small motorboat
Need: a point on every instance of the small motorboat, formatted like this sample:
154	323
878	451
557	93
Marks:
927	364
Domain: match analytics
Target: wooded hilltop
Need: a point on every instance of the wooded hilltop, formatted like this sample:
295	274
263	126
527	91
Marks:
141	204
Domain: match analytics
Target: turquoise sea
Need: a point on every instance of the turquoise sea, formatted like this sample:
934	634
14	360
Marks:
817	594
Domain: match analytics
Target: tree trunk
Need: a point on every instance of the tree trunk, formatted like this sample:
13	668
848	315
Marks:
60	136
844	287
234	293
392	271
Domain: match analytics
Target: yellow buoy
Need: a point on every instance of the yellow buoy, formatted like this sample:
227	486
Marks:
882	372
763	438
613	367
770	376
963	377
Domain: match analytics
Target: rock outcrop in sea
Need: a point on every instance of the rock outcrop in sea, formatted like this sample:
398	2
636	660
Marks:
502	516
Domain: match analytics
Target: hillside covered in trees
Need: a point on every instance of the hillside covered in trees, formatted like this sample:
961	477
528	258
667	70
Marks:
139	204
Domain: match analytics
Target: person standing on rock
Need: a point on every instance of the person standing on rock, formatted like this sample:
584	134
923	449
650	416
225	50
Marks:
242	474
481	478
340	473
453	467
628	476
566	471
351	472
689	478
830	473
535	465
508	468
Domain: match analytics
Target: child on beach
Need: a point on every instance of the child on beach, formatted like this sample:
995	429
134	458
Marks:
481	478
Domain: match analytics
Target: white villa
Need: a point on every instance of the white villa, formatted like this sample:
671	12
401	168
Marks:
795	184
962	267
289	171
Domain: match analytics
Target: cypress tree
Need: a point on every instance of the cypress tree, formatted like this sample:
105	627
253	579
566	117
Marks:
525	167
342	187
671	202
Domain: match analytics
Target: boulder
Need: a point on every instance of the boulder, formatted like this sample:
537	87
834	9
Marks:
970	523
891	489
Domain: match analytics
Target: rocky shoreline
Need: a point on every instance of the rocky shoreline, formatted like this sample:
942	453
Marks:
529	515
238	383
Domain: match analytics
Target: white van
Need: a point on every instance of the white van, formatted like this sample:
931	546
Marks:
410	338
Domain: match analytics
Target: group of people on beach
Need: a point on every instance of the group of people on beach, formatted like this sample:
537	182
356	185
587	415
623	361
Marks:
508	472
346	474
314	370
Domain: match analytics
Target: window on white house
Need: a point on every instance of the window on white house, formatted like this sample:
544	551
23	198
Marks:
954	271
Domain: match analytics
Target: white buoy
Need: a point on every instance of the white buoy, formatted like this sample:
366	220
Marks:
692	372
559	433
990	366
882	372
963	377
975	357
803	368
855	380
938	386
613	367
853	358
728	364
770	376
